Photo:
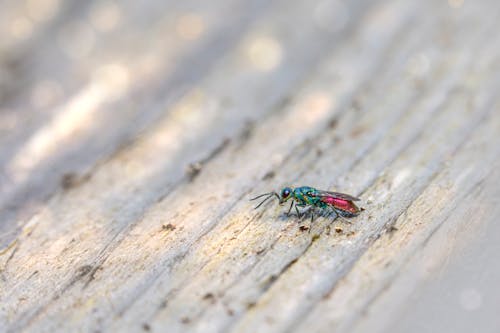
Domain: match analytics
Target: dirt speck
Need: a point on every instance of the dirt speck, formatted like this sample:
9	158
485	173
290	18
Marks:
84	270
71	180
209	297
392	229
269	175
333	123
193	169
168	227
357	131
251	305
259	252
328	230
247	131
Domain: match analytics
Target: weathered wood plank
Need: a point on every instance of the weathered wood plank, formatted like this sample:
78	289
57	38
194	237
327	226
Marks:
163	142
463	293
396	104
375	270
117	87
329	259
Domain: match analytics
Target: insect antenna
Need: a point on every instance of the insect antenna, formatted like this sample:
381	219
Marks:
269	195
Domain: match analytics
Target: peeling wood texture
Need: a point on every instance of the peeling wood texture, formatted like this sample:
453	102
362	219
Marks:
133	134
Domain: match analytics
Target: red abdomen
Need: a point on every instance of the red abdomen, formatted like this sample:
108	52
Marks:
342	204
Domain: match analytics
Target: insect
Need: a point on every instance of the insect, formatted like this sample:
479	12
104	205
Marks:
306	196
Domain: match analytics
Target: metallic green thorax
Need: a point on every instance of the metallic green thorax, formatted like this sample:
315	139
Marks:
304	195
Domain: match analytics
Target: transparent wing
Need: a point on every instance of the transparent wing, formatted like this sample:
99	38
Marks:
337	195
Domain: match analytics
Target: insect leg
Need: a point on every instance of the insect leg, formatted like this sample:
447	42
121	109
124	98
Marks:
340	216
299	214
311	208
297	210
312	219
291	205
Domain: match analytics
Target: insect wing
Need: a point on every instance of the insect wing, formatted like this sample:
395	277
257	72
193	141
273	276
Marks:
337	195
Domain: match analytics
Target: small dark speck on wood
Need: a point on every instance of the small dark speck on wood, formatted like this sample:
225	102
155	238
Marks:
71	180
269	175
392	229
248	129
163	304
209	297
84	270
168	227
251	305
335	111
333	123
314	238
194	169
357	131
259	252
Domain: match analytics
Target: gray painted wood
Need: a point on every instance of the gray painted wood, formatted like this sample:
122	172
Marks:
126	170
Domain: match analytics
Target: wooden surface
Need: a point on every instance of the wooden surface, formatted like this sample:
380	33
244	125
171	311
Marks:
132	136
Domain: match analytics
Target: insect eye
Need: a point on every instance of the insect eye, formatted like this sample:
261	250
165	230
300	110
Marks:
285	193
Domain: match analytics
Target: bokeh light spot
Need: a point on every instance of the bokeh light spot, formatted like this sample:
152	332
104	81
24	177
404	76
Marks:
190	26
8	120
470	299
316	105
45	93
21	28
42	10
265	53
331	16
105	16
77	39
418	66
456	3
114	78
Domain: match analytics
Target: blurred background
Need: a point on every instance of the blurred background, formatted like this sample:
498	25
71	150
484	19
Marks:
150	91
80	80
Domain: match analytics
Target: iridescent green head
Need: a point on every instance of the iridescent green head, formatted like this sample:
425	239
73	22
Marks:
286	193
